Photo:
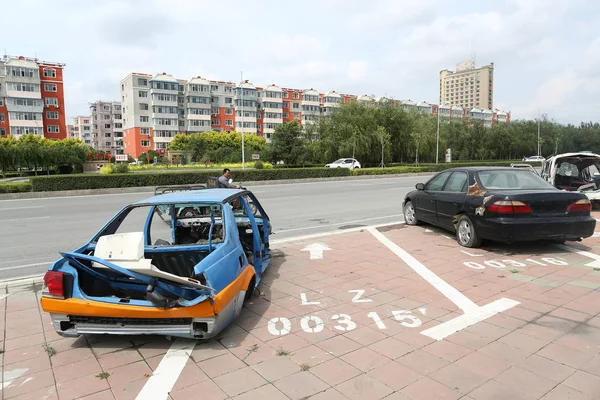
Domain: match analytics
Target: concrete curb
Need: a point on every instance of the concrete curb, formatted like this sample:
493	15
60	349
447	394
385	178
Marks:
147	189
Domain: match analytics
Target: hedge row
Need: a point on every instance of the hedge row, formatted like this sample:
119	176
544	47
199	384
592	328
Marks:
428	168
98	181
15	187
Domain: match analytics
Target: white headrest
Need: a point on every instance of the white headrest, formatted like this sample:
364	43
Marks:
121	247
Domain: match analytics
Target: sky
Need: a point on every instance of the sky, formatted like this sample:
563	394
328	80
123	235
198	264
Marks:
546	53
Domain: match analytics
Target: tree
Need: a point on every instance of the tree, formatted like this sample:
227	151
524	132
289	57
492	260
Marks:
288	143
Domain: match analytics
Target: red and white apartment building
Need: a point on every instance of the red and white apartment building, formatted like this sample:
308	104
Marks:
156	108
32	98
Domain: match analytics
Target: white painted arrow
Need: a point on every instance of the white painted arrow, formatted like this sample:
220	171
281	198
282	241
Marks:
316	250
11	376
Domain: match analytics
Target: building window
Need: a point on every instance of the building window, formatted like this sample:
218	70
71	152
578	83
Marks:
51	101
145	143
214	111
229	122
1	117
52	115
215	122
53	129
50	73
2	132
143	106
142	82
296	95
229	111
49	87
106	126
145	131
228	100
144	118
143	93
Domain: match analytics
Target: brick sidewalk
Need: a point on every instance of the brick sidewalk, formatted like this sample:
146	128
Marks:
341	329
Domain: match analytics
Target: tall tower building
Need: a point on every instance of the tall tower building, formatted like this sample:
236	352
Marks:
468	86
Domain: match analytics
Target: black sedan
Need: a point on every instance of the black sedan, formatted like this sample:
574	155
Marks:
499	204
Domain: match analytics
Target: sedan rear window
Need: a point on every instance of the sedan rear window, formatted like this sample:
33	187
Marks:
517	179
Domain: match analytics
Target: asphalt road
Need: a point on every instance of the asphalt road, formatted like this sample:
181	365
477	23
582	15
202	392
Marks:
34	231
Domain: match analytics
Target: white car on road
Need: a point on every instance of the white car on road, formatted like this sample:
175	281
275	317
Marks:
344	163
535	158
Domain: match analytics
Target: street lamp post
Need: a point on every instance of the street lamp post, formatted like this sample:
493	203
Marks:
437	140
242	112
538	135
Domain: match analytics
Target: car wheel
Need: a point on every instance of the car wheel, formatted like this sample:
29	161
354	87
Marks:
465	233
409	214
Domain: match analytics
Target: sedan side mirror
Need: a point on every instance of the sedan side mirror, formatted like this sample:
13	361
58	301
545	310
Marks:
420	186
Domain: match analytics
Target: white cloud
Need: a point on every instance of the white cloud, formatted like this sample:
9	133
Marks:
546	52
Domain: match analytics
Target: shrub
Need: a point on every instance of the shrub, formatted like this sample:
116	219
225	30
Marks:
258	165
99	181
120	168
15	187
106	169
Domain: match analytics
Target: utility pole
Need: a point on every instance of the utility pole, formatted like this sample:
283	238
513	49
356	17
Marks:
437	145
242	112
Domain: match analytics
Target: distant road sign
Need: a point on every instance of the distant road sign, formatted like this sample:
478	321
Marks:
121	157
256	156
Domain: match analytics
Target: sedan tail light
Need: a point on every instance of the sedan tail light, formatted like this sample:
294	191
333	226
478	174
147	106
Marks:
53	285
509	207
583	205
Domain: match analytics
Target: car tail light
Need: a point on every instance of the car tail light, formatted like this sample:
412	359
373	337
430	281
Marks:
509	207
53	285
583	205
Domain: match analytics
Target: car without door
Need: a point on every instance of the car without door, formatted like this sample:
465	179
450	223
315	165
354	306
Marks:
499	204
574	172
180	263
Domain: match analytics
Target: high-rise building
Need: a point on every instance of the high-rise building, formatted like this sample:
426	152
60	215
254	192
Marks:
32	98
81	129
468	87
107	126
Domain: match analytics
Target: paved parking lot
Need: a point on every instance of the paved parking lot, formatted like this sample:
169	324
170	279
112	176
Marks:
397	312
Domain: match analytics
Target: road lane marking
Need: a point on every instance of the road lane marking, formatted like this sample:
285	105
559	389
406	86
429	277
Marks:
164	377
21	219
341	223
20	208
472	317
456	297
472	312
331	233
25	266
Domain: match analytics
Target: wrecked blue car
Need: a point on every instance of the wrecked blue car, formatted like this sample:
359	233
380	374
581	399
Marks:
180	263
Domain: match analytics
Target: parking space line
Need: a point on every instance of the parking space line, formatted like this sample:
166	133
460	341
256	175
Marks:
163	379
454	325
459	299
472	312
595	257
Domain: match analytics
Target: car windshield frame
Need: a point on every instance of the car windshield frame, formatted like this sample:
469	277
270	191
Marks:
485	183
161	213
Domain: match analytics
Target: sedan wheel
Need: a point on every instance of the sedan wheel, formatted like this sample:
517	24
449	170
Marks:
465	233
409	214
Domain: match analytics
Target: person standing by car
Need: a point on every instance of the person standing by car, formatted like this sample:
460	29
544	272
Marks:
223	181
